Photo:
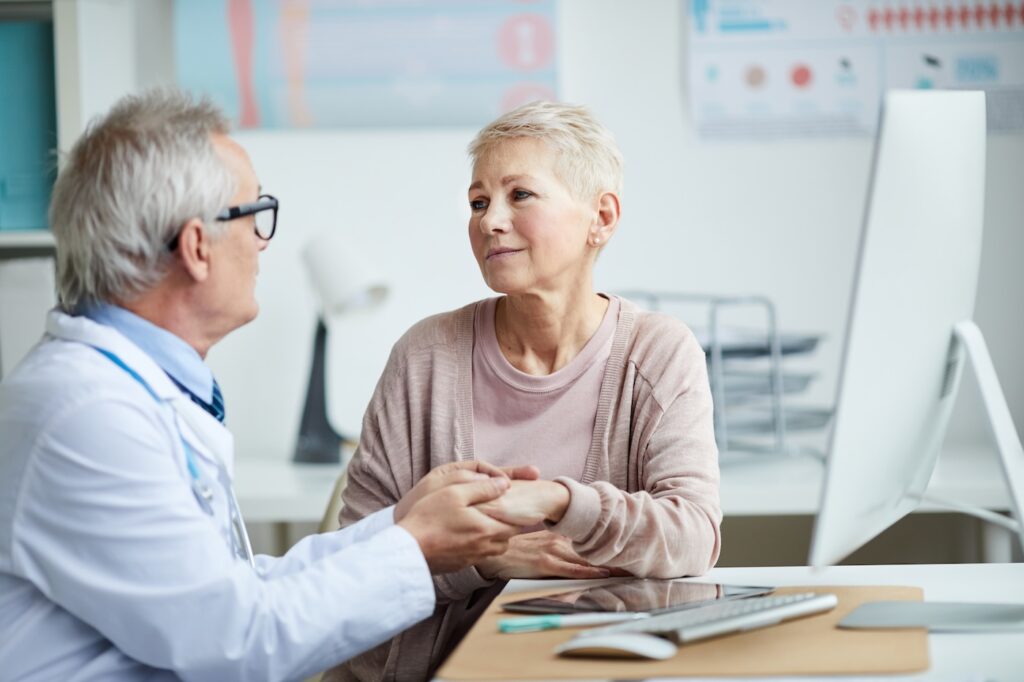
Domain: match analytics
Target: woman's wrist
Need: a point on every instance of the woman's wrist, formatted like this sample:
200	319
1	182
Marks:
558	501
489	568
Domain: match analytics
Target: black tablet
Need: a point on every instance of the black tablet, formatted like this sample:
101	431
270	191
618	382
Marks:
635	595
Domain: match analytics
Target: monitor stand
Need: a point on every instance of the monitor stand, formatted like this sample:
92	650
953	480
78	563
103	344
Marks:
967	338
965	616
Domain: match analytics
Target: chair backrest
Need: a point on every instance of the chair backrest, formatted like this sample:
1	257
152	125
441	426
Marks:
330	520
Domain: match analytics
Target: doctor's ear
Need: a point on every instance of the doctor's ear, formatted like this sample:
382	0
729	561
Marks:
193	250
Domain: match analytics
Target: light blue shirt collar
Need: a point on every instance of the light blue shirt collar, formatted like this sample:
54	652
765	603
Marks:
178	359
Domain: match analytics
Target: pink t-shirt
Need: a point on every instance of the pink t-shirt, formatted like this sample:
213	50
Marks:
548	420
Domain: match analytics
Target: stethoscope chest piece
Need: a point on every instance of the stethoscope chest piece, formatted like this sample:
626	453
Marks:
204	496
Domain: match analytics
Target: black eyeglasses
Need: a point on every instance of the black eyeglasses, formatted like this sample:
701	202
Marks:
265	210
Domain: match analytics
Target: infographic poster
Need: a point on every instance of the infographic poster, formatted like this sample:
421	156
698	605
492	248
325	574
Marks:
792	68
385	63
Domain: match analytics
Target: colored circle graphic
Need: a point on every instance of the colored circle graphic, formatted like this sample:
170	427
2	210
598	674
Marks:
526	42
801	75
755	76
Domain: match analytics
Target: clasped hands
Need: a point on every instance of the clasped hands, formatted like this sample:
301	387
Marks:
473	513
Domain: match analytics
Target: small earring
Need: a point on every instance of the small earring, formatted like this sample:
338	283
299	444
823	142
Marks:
597	240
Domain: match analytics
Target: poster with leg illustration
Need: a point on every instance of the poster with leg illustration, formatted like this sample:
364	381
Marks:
342	63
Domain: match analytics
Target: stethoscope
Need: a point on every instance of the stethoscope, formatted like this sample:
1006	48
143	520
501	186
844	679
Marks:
201	488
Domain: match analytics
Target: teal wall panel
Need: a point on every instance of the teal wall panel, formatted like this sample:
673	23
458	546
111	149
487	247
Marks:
28	123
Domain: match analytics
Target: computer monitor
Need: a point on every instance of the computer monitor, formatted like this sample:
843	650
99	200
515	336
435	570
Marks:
916	278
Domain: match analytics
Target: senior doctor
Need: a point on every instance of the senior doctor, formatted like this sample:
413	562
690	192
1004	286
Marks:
122	551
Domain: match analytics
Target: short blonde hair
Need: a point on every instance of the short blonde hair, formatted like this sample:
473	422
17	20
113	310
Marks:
589	161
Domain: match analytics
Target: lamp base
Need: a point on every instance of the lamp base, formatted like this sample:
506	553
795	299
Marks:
319	448
318	442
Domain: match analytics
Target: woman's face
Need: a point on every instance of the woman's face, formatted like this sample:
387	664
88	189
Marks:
528	231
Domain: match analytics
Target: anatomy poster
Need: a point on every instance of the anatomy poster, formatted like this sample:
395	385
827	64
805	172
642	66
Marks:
385	63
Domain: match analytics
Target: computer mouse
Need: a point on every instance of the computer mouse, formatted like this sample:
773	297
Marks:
619	645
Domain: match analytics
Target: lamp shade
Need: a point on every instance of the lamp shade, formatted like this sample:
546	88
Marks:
342	282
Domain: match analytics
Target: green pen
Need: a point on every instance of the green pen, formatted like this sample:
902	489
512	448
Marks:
553	621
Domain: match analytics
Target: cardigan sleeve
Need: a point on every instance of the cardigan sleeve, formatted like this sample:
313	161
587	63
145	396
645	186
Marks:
381	470
670	527
374	480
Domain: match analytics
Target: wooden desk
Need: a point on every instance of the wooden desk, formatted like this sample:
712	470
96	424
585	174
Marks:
953	656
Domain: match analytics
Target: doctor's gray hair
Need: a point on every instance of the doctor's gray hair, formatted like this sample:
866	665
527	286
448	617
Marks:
589	161
129	184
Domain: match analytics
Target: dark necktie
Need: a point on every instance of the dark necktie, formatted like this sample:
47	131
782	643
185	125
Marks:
214	407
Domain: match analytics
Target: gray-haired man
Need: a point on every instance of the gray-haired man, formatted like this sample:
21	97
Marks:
122	551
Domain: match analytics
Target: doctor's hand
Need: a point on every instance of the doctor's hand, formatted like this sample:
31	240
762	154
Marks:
539	555
528	503
451	532
458	472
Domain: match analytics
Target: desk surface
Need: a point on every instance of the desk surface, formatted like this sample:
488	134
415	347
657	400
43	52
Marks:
278	490
954	657
281	491
766	486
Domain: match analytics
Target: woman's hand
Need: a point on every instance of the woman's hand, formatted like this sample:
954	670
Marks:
527	503
539	555
458	472
451	532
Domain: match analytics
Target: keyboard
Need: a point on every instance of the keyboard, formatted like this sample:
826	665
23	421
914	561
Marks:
737	615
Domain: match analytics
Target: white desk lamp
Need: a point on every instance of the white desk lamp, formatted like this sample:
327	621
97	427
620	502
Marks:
342	284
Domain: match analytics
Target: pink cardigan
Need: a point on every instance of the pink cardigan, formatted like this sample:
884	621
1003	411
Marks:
648	501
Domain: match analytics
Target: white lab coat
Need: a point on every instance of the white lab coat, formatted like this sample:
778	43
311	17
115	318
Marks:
109	569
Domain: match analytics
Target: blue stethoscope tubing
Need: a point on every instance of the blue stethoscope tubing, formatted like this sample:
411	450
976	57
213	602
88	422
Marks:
202	491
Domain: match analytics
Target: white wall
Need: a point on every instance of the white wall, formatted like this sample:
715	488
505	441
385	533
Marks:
778	218
94	42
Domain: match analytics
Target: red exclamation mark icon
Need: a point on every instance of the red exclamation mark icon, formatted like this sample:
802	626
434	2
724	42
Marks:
526	42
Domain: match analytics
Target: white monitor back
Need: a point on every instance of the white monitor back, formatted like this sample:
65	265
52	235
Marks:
917	273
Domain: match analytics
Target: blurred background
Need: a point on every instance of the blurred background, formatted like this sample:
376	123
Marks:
747	130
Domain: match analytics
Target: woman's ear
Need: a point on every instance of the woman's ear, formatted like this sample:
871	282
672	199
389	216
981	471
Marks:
194	250
606	219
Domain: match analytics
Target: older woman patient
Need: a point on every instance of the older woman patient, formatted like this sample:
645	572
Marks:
610	402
